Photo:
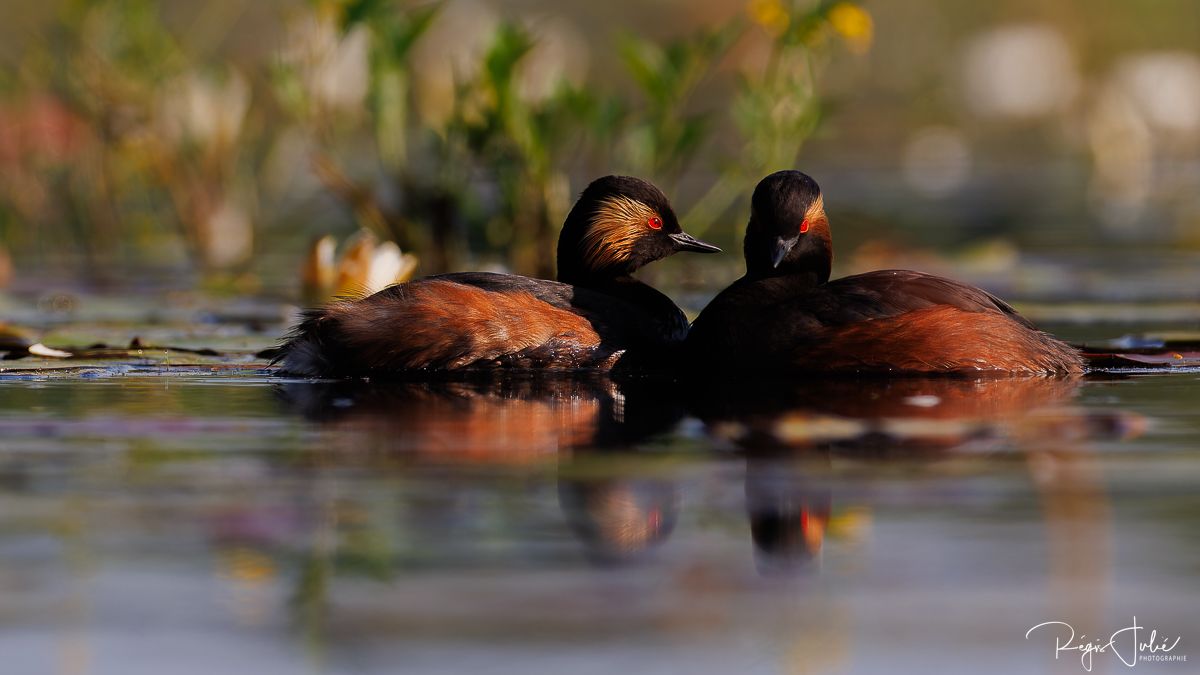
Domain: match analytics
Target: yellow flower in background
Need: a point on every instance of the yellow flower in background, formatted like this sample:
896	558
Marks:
854	24
770	14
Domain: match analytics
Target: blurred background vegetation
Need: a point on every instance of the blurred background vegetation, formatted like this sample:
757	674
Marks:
243	145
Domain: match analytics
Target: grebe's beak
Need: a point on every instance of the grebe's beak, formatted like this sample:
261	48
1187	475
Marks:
780	249
686	242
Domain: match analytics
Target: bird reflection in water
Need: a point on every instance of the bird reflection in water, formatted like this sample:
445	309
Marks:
618	519
517	425
792	434
877	416
512	419
584	423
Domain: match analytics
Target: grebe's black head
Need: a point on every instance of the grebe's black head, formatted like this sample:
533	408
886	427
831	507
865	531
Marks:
619	224
788	232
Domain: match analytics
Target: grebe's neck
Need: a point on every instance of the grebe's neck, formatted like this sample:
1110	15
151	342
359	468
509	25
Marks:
573	270
667	323
575	267
670	323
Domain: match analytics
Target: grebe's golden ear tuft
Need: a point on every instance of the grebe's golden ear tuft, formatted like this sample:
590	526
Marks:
815	215
617	225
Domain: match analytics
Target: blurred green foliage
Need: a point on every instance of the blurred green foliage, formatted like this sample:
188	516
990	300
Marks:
124	146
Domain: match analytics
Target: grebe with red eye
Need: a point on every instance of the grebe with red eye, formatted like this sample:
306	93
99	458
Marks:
594	316
785	315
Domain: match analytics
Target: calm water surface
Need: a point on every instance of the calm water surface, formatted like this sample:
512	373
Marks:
183	520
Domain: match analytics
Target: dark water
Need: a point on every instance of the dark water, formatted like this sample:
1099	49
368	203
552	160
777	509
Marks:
160	519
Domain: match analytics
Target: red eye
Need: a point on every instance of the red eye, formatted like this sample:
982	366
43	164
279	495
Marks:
804	226
654	222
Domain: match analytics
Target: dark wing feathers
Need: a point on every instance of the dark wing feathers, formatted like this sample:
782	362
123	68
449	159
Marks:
645	313
889	293
552	292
